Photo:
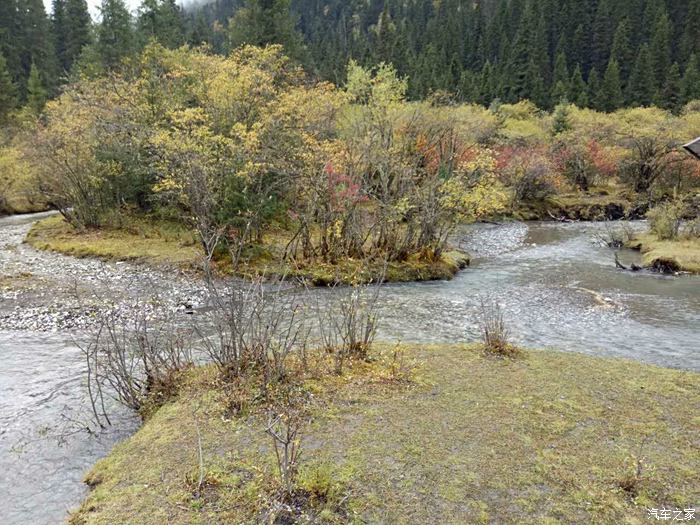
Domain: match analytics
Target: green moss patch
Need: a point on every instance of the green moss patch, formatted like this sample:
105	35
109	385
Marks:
139	241
546	438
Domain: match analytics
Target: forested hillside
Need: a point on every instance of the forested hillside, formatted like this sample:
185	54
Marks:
602	54
599	53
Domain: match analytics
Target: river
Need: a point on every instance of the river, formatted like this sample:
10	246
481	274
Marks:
558	287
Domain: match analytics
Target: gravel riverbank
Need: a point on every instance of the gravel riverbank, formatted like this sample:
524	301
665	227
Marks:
42	291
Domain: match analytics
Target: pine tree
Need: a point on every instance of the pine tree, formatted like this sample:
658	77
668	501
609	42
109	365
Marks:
161	20
610	97
115	38
11	39
60	31
640	90
36	42
622	50
488	85
691	80
8	91
520	83
262	22
560	80
690	41
602	35
594	89
578	88
77	31
669	96
36	92
561	122
661	50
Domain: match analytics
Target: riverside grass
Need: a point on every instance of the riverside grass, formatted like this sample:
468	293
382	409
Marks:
547	438
143	239
681	254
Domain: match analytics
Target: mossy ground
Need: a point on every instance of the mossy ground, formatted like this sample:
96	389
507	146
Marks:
138	241
159	242
542	439
680	255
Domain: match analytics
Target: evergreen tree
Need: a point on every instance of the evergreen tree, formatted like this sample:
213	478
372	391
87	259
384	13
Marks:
488	85
161	20
78	26
560	79
8	36
640	90
36	92
690	41
199	31
262	22
602	35
561	119
610	97
8	91
594	89
60	31
691	80
621	50
36	42
115	38
578	88
669	96
661	50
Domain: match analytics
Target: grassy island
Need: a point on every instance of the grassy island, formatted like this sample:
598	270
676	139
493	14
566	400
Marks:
164	243
679	255
547	437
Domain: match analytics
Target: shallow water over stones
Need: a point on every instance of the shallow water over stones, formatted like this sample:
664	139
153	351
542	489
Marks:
559	288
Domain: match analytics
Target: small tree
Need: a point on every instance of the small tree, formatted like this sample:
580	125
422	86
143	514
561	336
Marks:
8	91
36	92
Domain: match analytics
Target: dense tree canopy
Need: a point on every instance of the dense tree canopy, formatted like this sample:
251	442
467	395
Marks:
542	50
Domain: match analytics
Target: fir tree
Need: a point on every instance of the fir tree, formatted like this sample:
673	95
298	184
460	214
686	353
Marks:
115	39
621	50
594	89
36	92
602	35
161	20
36	41
77	30
560	79
578	88
262	22
669	96
691	80
661	50
561	122
610	97
690	41
640	90
60	31
8	91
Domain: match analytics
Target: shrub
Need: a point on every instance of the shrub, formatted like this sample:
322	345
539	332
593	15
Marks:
665	220
692	229
494	330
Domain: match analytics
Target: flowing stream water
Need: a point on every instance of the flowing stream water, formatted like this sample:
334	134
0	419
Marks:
558	287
